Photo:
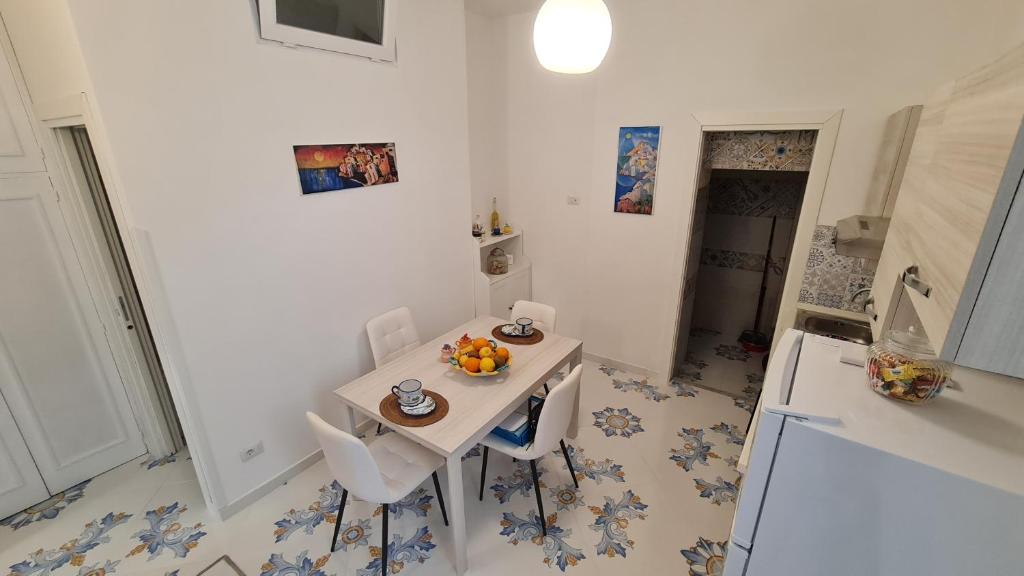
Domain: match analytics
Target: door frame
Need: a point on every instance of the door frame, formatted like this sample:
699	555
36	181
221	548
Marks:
139	251
74	207
826	122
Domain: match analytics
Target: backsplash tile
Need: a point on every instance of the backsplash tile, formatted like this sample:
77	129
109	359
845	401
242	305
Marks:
831	280
790	150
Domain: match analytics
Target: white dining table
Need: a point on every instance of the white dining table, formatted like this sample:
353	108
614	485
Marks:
476	404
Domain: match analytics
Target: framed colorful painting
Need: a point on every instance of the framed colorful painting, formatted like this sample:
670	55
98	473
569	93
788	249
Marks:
323	168
637	169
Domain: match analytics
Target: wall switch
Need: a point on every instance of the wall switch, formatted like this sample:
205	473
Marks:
251	452
572	200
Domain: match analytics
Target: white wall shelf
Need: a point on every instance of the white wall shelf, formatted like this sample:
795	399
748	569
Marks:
496	293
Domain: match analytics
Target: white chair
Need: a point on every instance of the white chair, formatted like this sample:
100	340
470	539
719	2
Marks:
384	472
552	425
542	315
391	335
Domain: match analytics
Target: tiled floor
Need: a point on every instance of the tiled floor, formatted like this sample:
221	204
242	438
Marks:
716	361
657	492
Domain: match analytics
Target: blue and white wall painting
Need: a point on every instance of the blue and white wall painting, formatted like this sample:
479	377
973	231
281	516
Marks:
637	170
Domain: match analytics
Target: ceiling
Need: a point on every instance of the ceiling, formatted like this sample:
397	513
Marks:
503	7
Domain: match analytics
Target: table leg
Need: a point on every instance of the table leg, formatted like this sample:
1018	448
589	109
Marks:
350	416
574	422
457	507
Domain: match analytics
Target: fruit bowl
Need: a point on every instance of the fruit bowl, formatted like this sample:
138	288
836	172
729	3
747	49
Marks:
480	357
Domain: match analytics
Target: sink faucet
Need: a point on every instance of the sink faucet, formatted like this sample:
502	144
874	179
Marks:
867	301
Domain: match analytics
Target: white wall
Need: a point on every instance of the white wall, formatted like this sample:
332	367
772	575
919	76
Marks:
487	90
612	276
269	290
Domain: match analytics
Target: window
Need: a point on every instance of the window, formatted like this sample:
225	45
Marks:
359	27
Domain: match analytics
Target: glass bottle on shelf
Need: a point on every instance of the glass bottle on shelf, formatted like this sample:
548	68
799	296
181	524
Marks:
495	218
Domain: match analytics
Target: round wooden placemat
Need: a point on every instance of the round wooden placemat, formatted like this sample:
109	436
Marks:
389	409
537	336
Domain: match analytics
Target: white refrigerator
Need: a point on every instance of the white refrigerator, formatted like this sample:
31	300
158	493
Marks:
839	480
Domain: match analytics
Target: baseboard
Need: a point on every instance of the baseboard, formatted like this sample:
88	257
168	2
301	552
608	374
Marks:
287	474
624	366
269	486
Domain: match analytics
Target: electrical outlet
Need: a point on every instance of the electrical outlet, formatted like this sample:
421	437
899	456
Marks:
572	200
251	452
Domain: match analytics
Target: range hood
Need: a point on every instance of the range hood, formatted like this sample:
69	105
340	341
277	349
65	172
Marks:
861	236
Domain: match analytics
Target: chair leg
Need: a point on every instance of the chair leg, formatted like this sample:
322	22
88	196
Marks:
384	544
440	499
569	463
540	501
379	428
483	474
546	391
337	522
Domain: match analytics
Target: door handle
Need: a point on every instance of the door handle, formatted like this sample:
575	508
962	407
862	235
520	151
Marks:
124	313
912	279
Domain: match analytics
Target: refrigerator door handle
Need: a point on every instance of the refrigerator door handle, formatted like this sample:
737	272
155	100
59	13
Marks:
816	418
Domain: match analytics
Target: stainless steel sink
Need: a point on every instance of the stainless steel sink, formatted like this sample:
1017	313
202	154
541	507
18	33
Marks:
846	330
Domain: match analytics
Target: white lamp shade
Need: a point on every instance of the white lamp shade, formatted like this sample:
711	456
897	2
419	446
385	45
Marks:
572	36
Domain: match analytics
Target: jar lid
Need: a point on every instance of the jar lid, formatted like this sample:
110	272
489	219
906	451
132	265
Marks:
911	341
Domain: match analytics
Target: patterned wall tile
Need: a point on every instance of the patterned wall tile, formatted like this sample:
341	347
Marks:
736	260
756	193
831	280
791	150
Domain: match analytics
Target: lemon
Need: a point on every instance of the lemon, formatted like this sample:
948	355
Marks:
462	360
487	364
486	352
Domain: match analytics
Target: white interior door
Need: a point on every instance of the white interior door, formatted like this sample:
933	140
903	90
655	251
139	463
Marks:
61	385
20	483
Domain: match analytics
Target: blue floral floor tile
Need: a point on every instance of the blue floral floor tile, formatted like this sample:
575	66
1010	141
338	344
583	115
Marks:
705	558
400	553
520	482
151	463
46	510
600	527
165	532
695	449
44	562
617	422
613	520
557	551
301	566
647	390
718	492
594	469
324	509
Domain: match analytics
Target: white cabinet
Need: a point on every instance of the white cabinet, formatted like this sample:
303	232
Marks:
507	291
496	293
951	219
19	150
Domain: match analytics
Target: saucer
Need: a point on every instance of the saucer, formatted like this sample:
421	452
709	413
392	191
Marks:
512	330
421	409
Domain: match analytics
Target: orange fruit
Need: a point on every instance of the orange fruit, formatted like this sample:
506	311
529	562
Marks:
502	353
480	343
487	365
486	352
472	365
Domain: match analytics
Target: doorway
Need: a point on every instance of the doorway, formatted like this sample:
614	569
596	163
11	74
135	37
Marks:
102	230
750	193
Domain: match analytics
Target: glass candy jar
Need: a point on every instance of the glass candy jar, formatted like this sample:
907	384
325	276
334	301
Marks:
497	262
904	366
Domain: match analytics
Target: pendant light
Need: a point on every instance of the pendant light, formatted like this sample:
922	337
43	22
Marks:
572	36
